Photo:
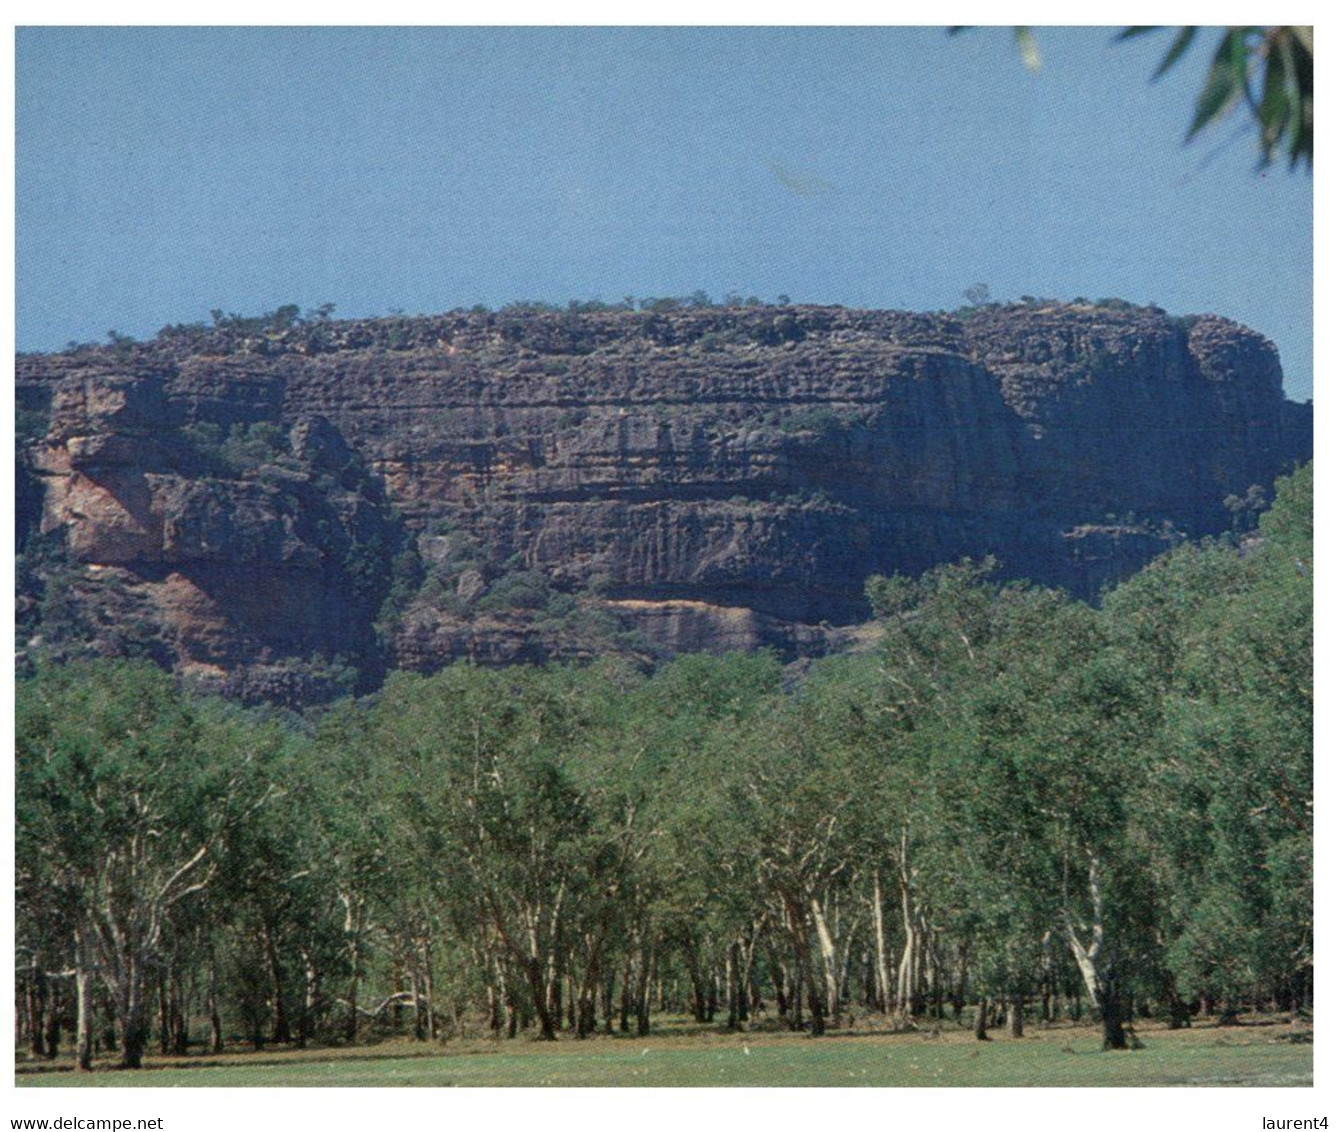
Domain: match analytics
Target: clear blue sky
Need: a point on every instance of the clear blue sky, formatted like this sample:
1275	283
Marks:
166	172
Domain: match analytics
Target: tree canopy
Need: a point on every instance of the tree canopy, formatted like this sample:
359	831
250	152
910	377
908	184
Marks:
1016	807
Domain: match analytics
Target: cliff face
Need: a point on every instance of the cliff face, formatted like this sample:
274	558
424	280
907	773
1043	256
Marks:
271	511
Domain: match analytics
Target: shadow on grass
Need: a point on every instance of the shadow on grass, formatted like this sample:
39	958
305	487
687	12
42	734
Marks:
272	1059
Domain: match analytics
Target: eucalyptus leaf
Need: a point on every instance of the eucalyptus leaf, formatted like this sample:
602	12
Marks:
1185	37
1222	88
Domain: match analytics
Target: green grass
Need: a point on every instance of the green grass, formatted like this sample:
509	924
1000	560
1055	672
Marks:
1205	1057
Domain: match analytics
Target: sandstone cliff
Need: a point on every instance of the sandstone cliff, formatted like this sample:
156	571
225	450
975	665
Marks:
289	513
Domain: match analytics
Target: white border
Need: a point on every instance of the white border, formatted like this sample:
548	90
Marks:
1094	1110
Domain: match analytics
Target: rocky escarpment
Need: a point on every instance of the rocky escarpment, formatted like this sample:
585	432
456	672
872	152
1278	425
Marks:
289	512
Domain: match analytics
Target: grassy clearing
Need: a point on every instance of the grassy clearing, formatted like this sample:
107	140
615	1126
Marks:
1254	1055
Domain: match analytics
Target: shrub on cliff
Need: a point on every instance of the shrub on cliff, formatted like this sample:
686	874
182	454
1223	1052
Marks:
522	589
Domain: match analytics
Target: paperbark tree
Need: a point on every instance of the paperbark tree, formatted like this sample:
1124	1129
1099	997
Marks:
130	792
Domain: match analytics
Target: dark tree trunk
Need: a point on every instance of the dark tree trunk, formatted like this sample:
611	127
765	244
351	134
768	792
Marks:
134	1035
583	1016
607	1002
497	994
817	1020
625	997
959	999
817	1025
108	1005
351	1027
164	1017
132	1023
779	983
982	1016
176	1010
53	1024
699	998
540	994
1113	1018
37	1001
212	1006
1178	1012
732	986
215	1030
280	1031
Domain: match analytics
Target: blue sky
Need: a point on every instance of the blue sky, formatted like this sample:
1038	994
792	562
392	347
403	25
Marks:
162	173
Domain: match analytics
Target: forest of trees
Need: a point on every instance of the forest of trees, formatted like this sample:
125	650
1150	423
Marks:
1018	808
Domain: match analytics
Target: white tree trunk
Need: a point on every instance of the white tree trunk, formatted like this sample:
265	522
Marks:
828	951
881	979
83	1005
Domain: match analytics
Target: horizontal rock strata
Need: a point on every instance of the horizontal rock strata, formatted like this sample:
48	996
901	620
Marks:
290	513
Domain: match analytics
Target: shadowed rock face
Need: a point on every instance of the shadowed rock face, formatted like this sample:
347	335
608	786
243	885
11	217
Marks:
269	511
